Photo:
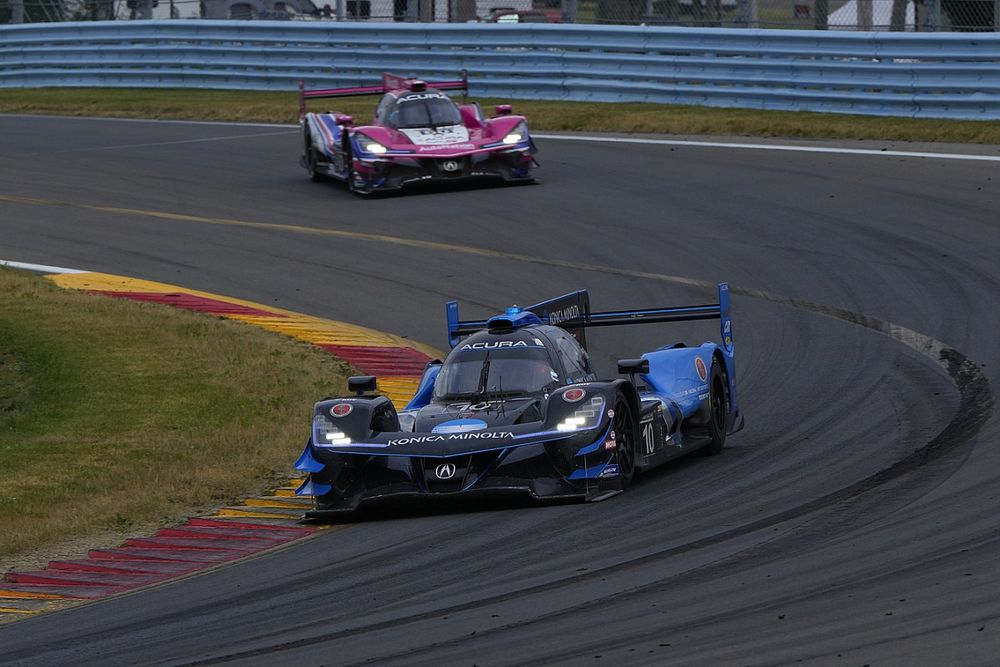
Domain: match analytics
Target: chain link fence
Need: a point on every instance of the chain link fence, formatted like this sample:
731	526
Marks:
892	15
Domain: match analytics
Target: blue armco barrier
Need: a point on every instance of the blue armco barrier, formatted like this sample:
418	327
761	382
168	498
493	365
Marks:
931	75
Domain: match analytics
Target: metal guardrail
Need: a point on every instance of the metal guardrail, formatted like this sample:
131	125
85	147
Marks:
933	75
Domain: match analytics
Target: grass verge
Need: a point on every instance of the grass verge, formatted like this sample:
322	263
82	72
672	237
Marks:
278	107
116	415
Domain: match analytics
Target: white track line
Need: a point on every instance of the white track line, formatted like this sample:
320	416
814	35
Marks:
180	141
600	139
38	268
771	147
145	120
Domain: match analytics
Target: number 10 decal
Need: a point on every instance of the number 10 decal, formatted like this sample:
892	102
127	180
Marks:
648	438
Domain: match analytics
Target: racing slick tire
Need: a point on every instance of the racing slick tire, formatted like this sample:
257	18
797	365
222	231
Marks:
311	161
624	429
351	173
718	410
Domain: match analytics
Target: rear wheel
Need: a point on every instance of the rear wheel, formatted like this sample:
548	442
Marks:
718	410
625	439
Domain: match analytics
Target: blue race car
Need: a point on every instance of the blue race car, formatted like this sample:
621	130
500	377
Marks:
516	408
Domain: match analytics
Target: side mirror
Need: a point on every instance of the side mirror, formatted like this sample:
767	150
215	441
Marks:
633	366
359	384
343	119
504	109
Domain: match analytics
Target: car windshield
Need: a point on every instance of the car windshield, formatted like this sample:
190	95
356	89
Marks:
433	112
473	373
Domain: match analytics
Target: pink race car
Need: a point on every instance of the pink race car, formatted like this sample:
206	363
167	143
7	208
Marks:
418	135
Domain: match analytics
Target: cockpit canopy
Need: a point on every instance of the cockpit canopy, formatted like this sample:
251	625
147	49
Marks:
428	108
486	365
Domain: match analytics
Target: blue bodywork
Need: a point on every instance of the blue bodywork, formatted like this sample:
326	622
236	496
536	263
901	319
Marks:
559	442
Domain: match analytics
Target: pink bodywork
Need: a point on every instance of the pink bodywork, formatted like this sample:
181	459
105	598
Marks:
480	132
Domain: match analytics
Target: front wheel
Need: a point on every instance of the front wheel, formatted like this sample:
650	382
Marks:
625	440
351	175
718	411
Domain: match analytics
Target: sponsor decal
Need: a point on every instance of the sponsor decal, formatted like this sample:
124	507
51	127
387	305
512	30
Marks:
438	137
699	366
610	443
472	435
459	426
611	413
427	148
445	471
573	395
415	97
568	313
498	344
341	409
609	471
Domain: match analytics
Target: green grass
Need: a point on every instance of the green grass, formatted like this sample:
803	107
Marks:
116	415
268	107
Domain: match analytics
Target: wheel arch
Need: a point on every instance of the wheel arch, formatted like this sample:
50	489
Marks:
727	376
628	390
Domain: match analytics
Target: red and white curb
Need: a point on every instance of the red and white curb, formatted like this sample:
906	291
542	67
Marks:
252	526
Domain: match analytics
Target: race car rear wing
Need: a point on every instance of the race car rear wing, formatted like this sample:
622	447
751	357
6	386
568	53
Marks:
572	312
389	82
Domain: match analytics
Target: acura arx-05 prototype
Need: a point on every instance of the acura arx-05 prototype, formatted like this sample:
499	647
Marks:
516	408
418	135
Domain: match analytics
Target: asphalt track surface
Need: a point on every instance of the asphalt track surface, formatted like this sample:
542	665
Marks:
856	519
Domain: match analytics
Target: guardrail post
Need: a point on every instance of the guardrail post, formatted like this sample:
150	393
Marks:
934	15
340	10
822	8
572	9
996	15
750	13
864	15
17	11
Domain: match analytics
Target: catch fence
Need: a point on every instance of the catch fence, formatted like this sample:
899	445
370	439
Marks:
857	15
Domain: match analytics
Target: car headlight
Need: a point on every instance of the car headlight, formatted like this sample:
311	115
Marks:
369	145
585	417
517	135
325	434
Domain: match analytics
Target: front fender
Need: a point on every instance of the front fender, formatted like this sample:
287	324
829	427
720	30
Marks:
682	374
324	132
380	134
559	407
